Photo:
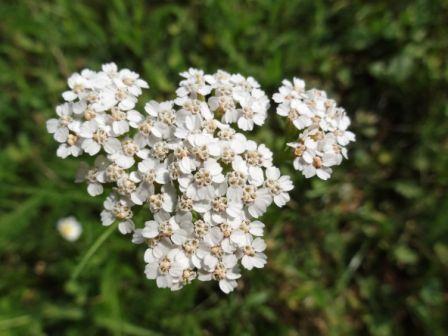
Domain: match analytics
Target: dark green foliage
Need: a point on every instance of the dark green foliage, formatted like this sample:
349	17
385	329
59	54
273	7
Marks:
363	253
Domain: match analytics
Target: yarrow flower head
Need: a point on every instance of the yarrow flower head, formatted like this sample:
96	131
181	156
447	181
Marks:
201	185
98	109
322	125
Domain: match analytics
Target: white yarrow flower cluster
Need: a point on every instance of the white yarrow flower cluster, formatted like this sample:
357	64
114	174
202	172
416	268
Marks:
202	185
323	125
98	109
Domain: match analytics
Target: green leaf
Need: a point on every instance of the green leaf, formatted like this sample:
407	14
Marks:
405	255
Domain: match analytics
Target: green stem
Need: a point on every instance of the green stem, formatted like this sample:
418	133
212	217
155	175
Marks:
91	251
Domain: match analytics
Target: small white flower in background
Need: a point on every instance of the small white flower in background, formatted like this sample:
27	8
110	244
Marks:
69	228
322	125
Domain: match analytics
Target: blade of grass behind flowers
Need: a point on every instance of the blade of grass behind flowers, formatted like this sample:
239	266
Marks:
124	327
91	251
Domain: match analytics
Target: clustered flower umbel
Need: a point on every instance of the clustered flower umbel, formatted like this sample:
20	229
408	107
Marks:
202	184
323	136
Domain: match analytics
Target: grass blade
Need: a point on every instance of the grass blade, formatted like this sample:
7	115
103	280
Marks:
91	251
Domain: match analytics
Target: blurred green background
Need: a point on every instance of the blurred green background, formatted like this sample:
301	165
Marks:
364	253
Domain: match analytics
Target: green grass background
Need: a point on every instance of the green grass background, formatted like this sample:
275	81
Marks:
365	253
